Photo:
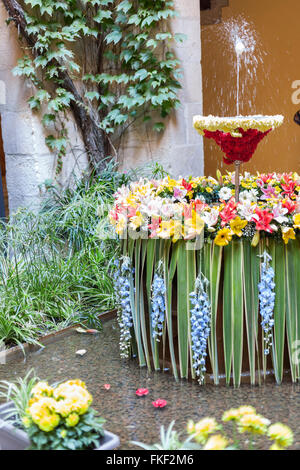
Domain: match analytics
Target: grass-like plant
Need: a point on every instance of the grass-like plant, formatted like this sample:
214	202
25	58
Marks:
55	265
248	427
18	392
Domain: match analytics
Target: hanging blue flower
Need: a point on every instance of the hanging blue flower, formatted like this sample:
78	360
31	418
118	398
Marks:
267	301
200	318
122	277
158	311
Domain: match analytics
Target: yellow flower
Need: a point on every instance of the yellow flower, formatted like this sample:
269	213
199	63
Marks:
237	225
48	423
231	415
42	389
296	219
72	420
136	221
170	229
193	226
121	224
217	442
26	421
77	382
191	427
281	434
223	237
63	433
275	447
72	398
253	424
255	239
209	190
246	410
204	428
288	234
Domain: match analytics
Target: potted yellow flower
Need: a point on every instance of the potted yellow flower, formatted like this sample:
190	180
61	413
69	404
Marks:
56	418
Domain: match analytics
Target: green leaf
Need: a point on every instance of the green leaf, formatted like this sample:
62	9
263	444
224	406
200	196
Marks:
141	75
159	126
277	252
48	119
186	276
92	95
251	281
292	257
163	36
214	266
102	15
179	37
170	270
124	6
114	36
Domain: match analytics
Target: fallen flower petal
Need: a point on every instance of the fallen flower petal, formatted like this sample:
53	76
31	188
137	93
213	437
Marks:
141	392
81	352
159	403
107	386
81	330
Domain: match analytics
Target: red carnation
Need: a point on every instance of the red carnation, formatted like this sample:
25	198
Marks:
237	148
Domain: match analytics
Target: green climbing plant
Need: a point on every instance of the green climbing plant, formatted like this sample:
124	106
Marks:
109	62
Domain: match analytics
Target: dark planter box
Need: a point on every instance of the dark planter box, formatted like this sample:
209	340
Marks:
12	438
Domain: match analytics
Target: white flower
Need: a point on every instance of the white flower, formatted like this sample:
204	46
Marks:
279	213
225	194
248	196
210	218
246	210
200	198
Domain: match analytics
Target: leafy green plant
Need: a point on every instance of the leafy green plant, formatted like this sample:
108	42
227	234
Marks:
233	273
60	417
120	52
85	435
19	392
55	265
169	440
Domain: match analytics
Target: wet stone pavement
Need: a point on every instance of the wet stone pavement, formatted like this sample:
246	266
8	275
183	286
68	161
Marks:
134	418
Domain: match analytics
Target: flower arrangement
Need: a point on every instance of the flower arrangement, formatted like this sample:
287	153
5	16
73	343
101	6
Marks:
208	434
175	233
237	136
180	209
60	418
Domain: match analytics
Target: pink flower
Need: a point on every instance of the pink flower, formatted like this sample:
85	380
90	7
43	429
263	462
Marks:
107	386
141	392
159	403
229	212
262	218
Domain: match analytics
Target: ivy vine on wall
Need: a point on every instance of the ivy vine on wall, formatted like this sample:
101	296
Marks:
109	62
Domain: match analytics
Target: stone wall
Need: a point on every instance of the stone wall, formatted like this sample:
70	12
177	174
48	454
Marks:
180	148
28	160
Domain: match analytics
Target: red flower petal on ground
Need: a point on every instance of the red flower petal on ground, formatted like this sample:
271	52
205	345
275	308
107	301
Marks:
141	392
159	403
107	386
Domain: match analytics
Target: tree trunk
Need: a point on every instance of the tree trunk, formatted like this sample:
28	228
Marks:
93	137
